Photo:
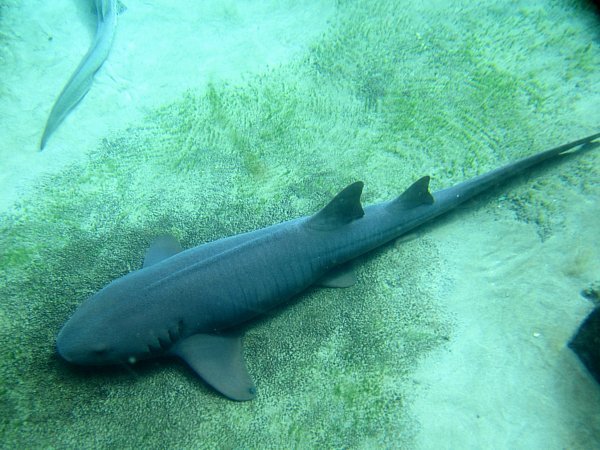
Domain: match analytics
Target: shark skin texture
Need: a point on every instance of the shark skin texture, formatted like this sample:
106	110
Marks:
81	81
187	303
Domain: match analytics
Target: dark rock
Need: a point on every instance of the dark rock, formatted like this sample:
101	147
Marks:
586	343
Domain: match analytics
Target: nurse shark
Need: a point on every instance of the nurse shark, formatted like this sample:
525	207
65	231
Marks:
186	303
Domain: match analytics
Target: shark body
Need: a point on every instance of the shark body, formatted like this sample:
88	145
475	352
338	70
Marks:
81	81
181	302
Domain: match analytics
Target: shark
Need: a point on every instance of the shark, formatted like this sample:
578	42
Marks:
81	81
190	303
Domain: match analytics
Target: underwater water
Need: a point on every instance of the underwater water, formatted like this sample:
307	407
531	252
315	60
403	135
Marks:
209	119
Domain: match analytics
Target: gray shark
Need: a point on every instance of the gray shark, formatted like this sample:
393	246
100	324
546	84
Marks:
80	82
186	303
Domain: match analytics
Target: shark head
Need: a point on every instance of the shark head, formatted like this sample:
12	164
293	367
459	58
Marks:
107	329
82	341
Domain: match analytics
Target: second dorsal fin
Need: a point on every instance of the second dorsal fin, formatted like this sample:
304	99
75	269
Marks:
342	209
416	195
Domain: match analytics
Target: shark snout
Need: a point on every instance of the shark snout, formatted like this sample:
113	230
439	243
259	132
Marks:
75	347
63	350
66	345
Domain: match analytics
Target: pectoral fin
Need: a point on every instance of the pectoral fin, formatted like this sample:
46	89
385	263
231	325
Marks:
219	361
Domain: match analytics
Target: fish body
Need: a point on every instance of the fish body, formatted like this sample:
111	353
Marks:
81	81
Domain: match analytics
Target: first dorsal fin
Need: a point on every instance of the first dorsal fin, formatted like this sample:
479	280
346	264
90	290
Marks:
162	248
344	208
416	195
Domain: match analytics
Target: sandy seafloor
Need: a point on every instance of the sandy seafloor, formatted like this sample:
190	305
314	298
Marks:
213	118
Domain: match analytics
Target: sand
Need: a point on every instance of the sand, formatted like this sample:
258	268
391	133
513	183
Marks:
161	49
513	277
507	380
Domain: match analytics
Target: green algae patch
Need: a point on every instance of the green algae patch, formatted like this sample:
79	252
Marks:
385	96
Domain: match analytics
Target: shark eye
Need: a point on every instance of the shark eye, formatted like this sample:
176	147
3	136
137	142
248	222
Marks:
100	350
